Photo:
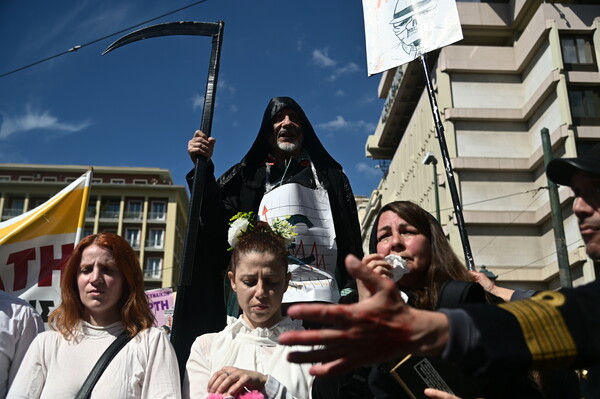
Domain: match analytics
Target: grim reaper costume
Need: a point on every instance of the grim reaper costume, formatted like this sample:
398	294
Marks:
312	191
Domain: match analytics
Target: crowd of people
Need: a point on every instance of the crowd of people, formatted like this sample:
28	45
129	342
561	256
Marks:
365	320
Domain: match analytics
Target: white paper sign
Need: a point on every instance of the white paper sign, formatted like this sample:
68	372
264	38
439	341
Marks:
314	250
398	31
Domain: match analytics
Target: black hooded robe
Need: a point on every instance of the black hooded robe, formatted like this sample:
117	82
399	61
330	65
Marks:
241	188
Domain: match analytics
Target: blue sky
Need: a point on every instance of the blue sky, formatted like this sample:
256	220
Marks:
139	105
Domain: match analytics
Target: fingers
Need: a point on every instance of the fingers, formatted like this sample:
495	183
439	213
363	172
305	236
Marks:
232	380
337	315
372	281
201	145
311	337
436	394
219	380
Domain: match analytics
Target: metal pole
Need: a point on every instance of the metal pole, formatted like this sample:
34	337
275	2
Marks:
439	128
436	191
564	270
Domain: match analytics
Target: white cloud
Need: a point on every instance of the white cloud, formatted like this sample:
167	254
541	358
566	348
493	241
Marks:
36	119
224	85
233	109
197	102
366	169
340	123
322	59
346	69
340	93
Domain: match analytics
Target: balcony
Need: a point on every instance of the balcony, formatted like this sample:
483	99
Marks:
153	244
9	213
132	215
109	214
154	216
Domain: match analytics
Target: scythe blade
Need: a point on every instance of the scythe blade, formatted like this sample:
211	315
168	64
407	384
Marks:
167	29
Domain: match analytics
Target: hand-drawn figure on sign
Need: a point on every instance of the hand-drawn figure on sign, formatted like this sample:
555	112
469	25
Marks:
408	24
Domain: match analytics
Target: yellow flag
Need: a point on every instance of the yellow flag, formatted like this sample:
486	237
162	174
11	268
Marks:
34	245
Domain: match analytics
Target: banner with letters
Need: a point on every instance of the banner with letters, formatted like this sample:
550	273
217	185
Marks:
398	31
162	303
34	245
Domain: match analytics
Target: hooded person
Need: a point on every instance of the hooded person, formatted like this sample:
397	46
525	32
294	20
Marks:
287	173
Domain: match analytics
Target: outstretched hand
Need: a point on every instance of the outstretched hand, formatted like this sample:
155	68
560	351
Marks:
379	328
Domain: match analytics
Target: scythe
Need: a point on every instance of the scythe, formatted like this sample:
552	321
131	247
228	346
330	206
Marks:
182	336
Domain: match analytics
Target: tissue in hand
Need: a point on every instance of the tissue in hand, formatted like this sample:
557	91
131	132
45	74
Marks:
399	267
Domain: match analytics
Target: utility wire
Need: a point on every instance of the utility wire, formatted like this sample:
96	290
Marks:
504	273
505	228
80	46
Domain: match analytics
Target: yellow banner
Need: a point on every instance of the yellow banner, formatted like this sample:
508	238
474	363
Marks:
61	214
34	245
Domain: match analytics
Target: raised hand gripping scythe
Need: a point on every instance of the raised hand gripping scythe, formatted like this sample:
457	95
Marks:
182	337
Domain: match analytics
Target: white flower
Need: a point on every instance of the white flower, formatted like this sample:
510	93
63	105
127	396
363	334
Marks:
236	230
285	230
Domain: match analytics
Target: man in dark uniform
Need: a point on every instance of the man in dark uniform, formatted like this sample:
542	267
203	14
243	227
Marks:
550	330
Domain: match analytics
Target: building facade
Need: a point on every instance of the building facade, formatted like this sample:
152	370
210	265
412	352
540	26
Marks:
140	204
522	66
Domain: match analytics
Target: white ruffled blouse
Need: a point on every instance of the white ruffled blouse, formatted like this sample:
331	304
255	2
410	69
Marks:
241	346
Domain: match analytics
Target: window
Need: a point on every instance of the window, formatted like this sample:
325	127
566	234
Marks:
155	238
49	178
117	181
585	105
111	210
70	179
35	202
25	178
153	268
4	178
16	206
578	53
87	231
140	181
133	237
90	212
96	180
134	210
157	210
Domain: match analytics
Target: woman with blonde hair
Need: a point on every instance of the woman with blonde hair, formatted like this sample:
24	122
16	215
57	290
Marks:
102	297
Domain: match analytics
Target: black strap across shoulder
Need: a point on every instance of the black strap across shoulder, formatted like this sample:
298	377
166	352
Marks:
101	364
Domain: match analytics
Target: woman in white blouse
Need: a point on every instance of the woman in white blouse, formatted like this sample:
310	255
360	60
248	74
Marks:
245	356
102	293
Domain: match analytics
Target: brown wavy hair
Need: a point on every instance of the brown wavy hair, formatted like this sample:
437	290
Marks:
444	266
261	239
135	310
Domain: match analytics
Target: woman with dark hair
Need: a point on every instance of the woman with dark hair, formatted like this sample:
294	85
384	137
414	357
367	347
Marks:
246	354
406	230
102	296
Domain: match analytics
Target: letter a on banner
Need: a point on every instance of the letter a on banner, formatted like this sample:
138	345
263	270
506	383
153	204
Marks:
34	245
398	31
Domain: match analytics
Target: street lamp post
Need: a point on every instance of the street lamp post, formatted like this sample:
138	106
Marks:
429	158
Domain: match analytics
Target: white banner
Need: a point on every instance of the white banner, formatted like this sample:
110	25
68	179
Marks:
33	246
398	31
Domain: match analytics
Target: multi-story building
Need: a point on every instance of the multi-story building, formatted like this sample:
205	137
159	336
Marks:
522	66
140	204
